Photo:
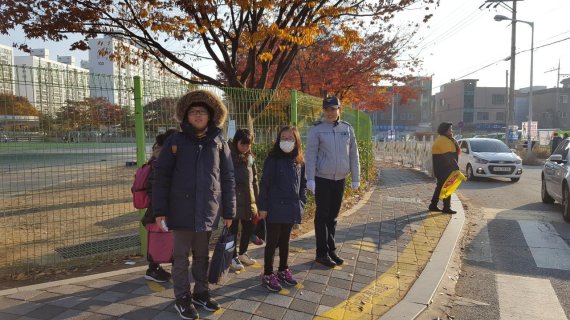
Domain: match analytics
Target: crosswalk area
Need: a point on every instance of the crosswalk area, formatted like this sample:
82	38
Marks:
529	253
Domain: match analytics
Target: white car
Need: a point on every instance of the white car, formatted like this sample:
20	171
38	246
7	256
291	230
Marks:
482	157
555	177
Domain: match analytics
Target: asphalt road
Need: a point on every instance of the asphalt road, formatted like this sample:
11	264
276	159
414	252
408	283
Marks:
514	257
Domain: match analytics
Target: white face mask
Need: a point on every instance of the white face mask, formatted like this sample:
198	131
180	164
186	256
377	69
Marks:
287	146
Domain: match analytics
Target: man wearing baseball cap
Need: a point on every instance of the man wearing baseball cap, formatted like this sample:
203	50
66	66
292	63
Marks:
331	154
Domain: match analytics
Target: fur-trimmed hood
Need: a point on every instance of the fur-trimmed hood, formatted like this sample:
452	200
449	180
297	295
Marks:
218	109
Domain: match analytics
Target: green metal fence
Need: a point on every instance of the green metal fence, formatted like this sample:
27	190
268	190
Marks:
67	164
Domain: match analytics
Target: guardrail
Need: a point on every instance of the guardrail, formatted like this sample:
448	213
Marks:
412	153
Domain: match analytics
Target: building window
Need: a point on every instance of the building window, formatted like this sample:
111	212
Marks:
546	115
411	116
564	99
482	115
500	116
403	116
562	114
498	99
468	117
441	102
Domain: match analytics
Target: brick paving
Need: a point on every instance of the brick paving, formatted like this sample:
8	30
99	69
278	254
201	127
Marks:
386	243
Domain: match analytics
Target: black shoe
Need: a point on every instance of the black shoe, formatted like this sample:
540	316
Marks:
336	259
185	308
448	211
326	261
434	208
157	275
203	299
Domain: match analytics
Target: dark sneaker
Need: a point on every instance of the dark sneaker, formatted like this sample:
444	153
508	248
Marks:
271	282
338	260
434	208
286	277
185	308
157	275
448	211
326	261
205	301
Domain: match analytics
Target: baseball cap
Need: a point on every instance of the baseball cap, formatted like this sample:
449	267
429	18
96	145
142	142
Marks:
331	102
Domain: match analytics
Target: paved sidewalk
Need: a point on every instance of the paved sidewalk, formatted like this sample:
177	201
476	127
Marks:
386	242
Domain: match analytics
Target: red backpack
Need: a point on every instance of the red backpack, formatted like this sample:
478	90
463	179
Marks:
141	198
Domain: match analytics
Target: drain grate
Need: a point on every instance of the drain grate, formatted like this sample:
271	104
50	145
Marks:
100	246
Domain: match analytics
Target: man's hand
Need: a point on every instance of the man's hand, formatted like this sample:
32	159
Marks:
355	185
311	185
228	223
263	214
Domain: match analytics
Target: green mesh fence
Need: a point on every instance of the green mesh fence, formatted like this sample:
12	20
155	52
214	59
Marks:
68	155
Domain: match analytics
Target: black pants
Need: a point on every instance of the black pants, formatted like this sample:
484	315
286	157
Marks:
435	197
278	235
259	229
328	199
246	229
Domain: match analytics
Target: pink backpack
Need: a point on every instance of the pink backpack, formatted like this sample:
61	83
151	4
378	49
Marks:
141	198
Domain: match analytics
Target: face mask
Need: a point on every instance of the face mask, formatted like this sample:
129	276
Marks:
287	146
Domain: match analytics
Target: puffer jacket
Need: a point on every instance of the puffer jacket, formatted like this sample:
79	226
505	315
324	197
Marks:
332	152
445	152
194	181
282	191
247	189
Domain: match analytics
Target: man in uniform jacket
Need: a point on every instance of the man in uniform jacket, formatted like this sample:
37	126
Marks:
331	154
194	185
445	151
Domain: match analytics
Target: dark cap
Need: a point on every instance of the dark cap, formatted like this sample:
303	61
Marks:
331	102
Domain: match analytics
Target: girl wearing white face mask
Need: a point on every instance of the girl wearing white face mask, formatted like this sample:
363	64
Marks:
281	203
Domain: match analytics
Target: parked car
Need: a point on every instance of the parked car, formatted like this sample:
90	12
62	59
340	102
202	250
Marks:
555	176
483	157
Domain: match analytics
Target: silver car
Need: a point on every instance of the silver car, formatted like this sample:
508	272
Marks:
555	177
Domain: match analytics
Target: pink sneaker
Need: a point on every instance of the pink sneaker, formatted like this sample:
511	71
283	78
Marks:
286	277
271	282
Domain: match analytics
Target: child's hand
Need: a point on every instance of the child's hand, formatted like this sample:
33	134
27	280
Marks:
228	222
263	214
160	223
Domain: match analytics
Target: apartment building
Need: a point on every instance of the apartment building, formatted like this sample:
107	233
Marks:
47	83
475	109
113	80
6	69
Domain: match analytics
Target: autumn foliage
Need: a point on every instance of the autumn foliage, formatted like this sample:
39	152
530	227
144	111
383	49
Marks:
252	43
16	106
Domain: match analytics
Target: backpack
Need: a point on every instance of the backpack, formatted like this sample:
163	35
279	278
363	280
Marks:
141	198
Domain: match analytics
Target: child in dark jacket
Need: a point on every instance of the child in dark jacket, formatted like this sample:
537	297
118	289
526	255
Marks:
247	191
154	272
281	203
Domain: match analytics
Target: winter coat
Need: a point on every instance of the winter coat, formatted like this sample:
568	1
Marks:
148	217
445	153
282	190
332	151
247	189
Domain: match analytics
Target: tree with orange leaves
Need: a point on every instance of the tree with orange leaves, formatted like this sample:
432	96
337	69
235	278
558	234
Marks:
353	75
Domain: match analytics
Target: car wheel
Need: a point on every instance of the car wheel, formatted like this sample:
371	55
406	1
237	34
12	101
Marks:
515	179
546	198
469	171
566	204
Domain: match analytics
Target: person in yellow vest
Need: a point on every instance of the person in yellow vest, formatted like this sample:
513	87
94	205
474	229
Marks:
445	151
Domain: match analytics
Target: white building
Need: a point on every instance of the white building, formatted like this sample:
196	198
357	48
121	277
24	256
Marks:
6	69
113	80
48	84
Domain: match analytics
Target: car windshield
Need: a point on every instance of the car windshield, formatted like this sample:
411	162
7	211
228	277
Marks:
489	146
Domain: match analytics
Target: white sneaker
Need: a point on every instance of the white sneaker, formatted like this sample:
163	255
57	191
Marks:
236	265
245	259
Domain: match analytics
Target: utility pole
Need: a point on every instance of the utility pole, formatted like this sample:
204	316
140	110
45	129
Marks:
513	9
507	113
557	103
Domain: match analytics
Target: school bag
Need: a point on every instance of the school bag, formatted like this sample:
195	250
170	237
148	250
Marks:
141	198
160	244
222	257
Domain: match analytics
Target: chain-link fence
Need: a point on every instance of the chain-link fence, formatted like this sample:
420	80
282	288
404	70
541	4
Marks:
69	153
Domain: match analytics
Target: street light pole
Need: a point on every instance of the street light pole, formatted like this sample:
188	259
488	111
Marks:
530	95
